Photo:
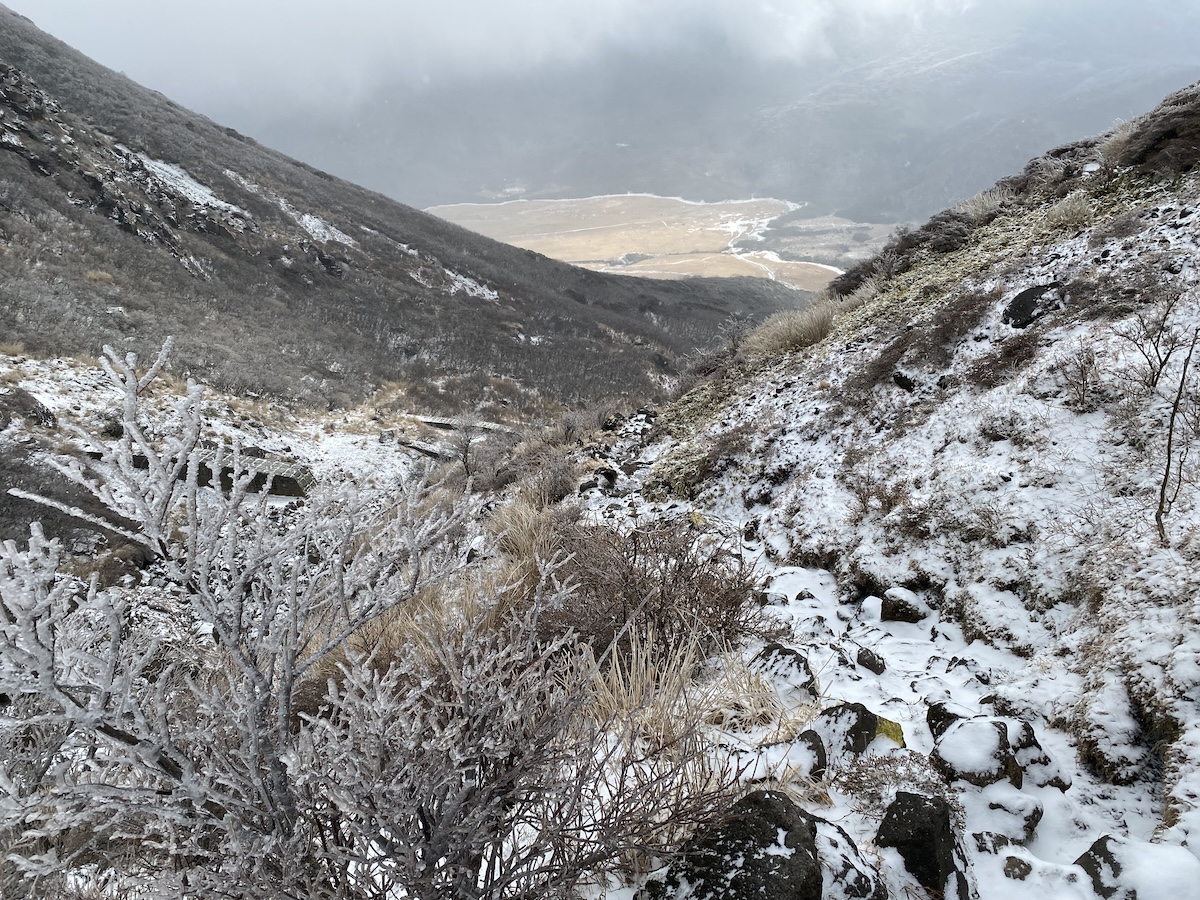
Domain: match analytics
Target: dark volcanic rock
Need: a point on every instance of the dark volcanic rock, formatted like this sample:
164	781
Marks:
847	873
17	402
871	660
765	850
902	605
1035	762
1104	868
847	728
1032	303
939	717
922	831
976	751
788	664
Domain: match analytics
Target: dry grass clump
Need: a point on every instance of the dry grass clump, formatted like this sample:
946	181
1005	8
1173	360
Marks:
984	205
1072	211
1112	146
791	329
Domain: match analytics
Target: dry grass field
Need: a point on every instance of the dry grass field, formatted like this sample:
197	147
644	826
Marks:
664	237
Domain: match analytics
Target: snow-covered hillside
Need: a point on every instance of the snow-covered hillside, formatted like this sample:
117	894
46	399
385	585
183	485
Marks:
976	500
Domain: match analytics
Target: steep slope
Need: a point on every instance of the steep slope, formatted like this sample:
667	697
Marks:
124	217
977	497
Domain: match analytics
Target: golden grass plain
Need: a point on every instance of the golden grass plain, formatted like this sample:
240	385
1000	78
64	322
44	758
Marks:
659	237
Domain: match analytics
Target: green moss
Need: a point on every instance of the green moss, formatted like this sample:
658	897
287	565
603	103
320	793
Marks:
890	730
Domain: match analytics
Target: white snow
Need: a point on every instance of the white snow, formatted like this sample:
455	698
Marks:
316	227
471	287
180	181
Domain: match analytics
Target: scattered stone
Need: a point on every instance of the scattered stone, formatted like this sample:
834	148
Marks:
766	850
921	830
1017	869
904	382
1032	303
902	605
871	660
788	664
976	751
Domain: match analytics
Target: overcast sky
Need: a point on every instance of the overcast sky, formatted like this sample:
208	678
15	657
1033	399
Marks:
203	52
445	100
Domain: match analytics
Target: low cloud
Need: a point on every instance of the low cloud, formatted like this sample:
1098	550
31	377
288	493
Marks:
216	50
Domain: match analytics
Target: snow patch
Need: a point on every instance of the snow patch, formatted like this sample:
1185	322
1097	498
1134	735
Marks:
181	182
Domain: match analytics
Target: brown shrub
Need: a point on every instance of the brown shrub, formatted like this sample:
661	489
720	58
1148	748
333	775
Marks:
672	580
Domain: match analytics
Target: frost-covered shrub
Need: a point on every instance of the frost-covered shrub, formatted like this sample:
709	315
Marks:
984	206
235	726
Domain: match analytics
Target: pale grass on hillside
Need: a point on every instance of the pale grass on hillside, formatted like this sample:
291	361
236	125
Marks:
791	329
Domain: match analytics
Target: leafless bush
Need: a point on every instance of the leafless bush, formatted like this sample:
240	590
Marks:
791	329
189	754
673	579
1080	374
872	490
1153	335
1181	436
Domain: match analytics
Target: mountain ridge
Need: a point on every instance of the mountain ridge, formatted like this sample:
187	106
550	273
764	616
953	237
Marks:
355	288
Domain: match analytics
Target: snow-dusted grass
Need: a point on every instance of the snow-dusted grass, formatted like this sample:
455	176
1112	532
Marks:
1012	477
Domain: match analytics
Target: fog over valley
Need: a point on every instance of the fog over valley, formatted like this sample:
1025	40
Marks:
875	110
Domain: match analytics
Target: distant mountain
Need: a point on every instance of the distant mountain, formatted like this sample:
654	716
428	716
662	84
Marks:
124	218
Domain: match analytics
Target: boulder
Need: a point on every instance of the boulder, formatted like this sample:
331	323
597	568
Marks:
811	740
921	830
788	665
846	874
1036	763
766	849
902	605
1006	817
1123	869
1032	303
847	728
17	402
976	751
939	717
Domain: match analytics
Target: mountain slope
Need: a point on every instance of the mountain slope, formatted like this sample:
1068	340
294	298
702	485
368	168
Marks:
124	217
977	497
